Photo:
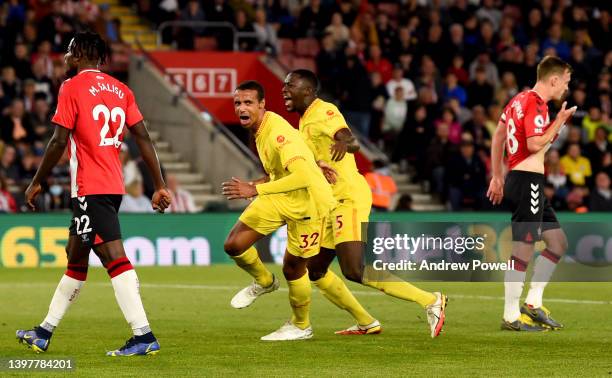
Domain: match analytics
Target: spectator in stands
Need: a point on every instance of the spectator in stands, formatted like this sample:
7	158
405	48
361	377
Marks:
356	96
9	166
219	11
7	201
15	127
182	200
364	30
449	119
40	119
21	61
396	110
592	121
438	154
479	92
466	179
596	149
329	61
578	99
553	170
10	86
378	63
414	138
348	10
377	107
490	13
575	199
338	31
457	69
557	202
313	19
452	89
43	81
555	41
507	89
267	40
398	80
601	197
483	61
576	166
382	185
245	43
185	35
478	129
134	201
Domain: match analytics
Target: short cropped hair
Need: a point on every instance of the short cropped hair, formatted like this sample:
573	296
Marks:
551	65
252	85
309	77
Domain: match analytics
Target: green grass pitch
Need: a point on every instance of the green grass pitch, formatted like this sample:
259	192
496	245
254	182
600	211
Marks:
201	335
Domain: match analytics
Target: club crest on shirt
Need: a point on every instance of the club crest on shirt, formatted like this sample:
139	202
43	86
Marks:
330	112
280	139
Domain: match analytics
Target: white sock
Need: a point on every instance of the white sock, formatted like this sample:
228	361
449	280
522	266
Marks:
542	272
65	294
127	292
513	284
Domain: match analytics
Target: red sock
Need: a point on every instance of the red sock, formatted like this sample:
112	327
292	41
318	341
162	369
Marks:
118	266
519	265
77	271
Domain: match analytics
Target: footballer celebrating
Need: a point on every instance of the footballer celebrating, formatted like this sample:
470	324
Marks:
329	138
92	112
527	133
294	193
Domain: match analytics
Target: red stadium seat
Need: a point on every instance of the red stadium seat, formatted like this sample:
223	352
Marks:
307	63
286	60
307	47
287	46
205	43
390	9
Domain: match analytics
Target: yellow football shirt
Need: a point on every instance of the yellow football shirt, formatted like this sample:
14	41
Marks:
321	121
278	144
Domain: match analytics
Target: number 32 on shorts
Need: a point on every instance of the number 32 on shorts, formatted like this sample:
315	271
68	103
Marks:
309	240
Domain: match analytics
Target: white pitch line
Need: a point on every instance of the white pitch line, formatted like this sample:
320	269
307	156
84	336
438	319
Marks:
358	292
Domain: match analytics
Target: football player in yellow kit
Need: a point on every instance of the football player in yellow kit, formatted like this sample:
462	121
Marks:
294	193
333	144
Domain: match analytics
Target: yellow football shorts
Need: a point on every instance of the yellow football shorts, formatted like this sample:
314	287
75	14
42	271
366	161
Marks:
346	221
267	213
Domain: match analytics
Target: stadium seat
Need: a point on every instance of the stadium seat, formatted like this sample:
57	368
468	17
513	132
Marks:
287	46
390	9
286	60
205	43
308	47
307	63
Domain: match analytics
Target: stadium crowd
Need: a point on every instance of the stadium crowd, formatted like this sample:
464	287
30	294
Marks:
426	80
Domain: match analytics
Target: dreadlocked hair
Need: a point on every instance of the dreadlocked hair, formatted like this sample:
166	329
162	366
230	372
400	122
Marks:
90	46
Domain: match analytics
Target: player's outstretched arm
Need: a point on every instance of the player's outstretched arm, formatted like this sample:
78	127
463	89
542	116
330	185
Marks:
55	150
161	198
345	142
298	178
496	186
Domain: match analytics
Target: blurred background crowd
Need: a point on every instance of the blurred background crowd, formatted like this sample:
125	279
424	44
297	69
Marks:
424	80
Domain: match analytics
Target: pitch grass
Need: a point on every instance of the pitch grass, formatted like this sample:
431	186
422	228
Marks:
201	335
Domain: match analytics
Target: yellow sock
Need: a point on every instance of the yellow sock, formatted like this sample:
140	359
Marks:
251	263
334	289
403	290
299	299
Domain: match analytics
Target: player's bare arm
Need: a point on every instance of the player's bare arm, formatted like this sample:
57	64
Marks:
495	192
55	150
345	142
161	198
538	142
238	189
331	175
